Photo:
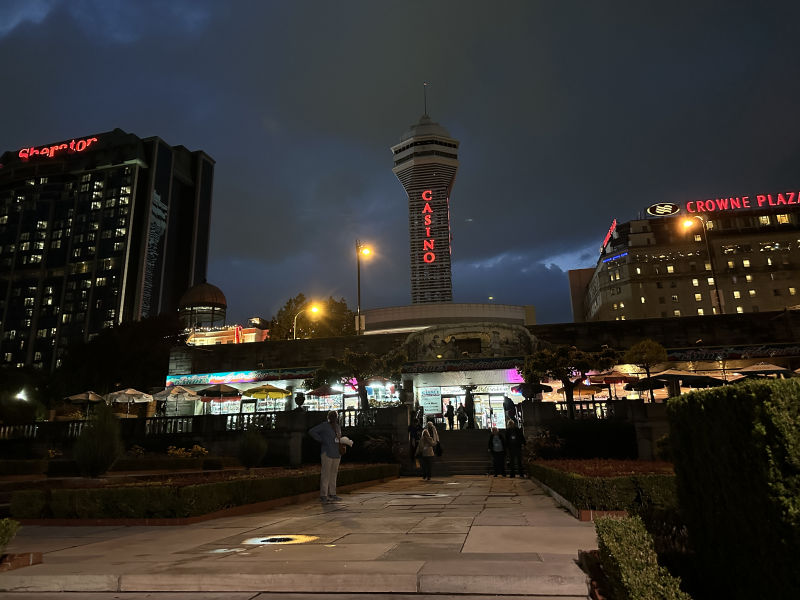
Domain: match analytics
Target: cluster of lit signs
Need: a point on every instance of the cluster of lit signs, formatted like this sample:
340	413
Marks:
63	148
427	218
666	209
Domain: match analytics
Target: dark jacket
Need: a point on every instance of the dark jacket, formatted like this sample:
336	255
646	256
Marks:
514	440
502	440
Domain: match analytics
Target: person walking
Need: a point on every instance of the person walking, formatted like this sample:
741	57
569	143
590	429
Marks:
497	447
328	434
427	442
461	415
515	440
450	413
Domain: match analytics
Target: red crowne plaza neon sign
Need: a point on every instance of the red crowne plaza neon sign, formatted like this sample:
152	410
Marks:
743	202
51	151
427	217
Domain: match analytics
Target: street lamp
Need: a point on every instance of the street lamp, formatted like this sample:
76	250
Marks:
689	222
361	250
313	308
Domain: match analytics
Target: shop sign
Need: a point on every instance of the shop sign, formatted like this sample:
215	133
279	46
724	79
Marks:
493	389
609	234
430	399
663	209
743	202
51	151
427	217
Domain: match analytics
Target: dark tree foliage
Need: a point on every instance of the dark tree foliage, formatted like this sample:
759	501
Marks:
132	355
333	320
646	354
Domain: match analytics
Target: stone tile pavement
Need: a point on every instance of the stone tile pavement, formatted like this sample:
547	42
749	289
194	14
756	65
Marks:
451	535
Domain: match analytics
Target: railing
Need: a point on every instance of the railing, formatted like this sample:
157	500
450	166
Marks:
240	422
587	409
358	417
27	431
168	425
74	429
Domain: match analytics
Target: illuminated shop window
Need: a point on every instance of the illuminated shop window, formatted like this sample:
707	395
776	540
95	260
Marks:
746	263
763	219
676	313
698	297
782	219
670	269
737	294
700	311
739	309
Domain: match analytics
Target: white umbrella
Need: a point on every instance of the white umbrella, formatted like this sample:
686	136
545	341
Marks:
86	397
128	396
177	393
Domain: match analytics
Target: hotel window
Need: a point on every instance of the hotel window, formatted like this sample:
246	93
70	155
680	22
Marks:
748	278
86	177
763	220
670	269
698	297
792	291
708	266
737	294
642	299
782	219
638	271
674	297
746	263
120	232
700	311
739	309
96	205
730	264
676	313
697	237
752	293
769	262
695	282
622	305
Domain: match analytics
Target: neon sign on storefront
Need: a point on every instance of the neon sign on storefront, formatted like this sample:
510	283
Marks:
51	151
427	217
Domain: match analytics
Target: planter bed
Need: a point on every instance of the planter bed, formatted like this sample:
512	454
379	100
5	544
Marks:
180	501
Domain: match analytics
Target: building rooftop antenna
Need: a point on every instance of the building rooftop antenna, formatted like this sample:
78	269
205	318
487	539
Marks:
425	96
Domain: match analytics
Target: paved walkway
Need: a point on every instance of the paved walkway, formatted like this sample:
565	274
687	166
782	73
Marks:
452	535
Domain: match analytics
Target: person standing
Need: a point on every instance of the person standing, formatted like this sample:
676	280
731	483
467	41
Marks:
515	440
327	434
427	442
450	413
461	414
497	447
509	408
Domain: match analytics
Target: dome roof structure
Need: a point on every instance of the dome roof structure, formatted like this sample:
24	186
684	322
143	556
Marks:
425	127
203	294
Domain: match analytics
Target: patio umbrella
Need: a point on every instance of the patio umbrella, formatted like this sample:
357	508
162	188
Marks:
127	397
529	390
581	387
645	384
324	390
177	393
705	381
218	390
764	369
612	378
84	397
267	391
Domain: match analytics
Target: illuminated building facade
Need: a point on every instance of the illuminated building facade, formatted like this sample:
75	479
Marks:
721	255
93	232
425	162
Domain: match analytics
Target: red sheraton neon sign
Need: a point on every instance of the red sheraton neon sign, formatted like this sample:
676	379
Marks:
427	217
743	202
50	151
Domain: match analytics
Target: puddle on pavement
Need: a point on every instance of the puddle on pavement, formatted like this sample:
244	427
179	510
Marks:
280	540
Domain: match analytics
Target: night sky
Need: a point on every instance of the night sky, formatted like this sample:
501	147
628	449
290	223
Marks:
569	114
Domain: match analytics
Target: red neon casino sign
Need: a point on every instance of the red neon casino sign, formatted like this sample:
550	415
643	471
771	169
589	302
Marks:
427	217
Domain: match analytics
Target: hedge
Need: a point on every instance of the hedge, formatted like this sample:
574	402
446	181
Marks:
34	466
630	564
171	501
607	493
737	460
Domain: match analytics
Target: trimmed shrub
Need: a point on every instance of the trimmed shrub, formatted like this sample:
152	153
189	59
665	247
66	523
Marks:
588	438
8	529
737	463
630	564
252	448
29	504
99	444
607	493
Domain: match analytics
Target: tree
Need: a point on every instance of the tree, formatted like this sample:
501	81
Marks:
359	367
333	320
645	355
568	365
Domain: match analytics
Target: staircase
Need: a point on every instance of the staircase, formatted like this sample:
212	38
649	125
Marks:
464	452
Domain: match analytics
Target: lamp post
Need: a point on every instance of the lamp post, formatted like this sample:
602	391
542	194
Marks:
704	225
361	249
313	308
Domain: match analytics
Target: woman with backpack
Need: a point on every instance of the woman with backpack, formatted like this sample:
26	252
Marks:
425	450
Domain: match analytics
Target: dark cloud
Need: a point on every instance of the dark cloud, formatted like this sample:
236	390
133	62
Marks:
569	114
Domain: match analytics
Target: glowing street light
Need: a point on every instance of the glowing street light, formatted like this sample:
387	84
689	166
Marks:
365	251
690	222
313	309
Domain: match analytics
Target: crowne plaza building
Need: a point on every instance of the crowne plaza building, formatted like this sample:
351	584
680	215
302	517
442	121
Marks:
705	257
95	231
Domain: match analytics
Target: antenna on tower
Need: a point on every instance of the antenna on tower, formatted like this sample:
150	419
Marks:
425	96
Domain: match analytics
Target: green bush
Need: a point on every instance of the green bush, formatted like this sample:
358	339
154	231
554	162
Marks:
99	444
586	438
607	493
29	504
630	564
252	448
8	529
737	464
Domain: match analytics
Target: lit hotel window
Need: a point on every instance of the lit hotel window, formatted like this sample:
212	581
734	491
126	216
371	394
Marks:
642	299
697	237
708	266
763	220
751	292
700	311
670	269
746	263
730	264
737	294
739	309
638	271
782	219
698	297
622	305
769	262
748	278
695	282
676	313
710	281
674	298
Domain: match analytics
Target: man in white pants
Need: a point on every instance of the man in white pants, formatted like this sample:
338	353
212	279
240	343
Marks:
328	434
